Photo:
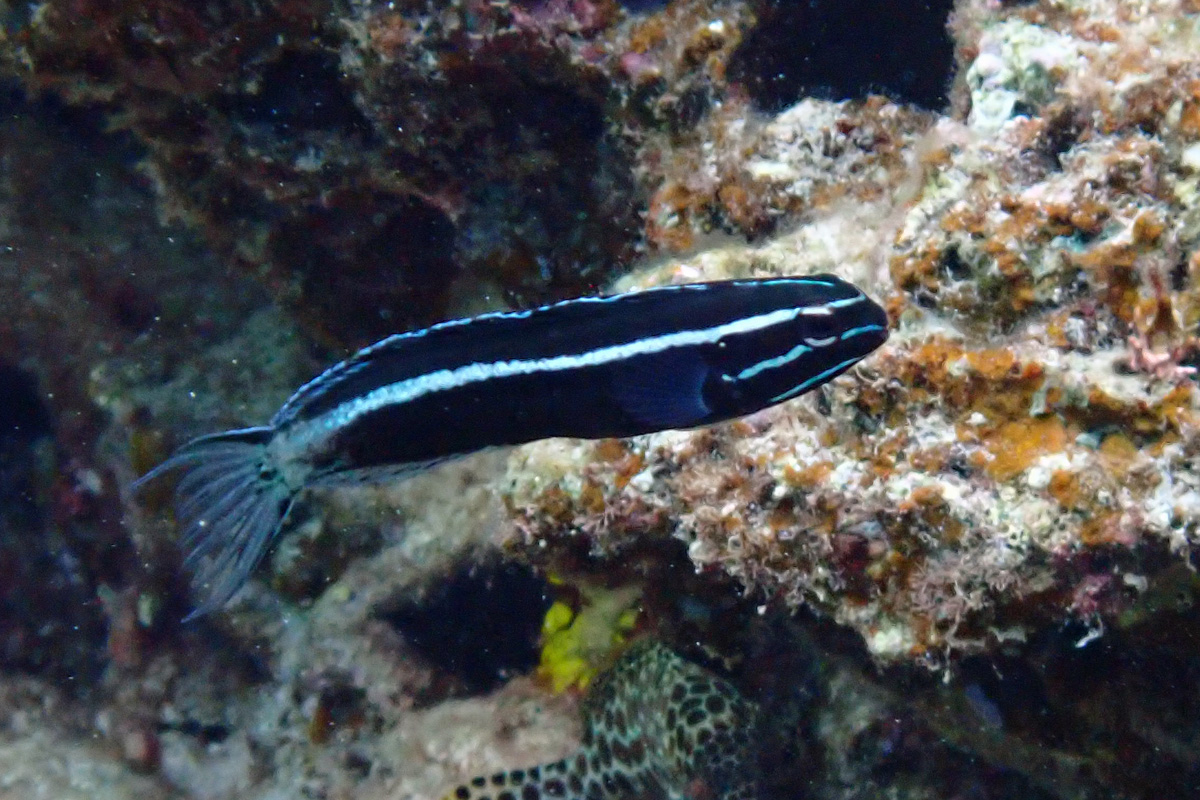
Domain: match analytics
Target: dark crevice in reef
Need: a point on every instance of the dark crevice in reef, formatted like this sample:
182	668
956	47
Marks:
480	626
372	178
302	91
847	49
84	126
1054	694
551	200
374	253
49	623
23	416
640	6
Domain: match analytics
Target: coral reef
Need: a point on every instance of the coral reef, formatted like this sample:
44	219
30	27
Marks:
1022	452
42	754
402	159
86	270
40	562
745	175
1006	493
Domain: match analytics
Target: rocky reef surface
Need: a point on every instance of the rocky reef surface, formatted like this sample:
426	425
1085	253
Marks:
965	569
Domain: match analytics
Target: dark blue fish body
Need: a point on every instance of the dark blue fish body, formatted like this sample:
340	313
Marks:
671	357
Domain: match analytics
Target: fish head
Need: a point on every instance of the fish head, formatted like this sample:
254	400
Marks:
829	326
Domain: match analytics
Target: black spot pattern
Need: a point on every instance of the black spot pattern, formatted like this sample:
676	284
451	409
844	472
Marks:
656	726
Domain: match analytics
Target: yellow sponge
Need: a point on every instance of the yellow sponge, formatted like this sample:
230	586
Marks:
577	643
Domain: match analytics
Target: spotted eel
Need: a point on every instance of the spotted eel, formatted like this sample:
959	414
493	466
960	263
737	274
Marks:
655	726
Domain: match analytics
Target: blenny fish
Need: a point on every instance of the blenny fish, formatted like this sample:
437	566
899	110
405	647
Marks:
678	356
655	726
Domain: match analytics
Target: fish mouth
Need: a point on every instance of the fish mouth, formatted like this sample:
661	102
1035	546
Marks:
880	324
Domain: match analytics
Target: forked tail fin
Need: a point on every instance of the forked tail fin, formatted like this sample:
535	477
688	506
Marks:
230	502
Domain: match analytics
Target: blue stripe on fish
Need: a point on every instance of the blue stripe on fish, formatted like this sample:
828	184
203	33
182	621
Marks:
597	367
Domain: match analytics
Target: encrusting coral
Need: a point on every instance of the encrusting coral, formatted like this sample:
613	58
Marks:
1024	450
655	725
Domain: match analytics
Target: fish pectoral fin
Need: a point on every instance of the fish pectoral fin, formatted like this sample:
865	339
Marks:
664	390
